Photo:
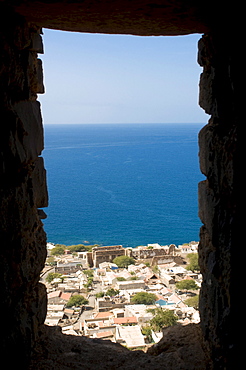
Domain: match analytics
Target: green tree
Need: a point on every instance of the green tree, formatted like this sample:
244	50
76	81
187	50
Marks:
53	275
124	261
146	330
89	282
112	292
57	250
187	284
99	295
193	302
193	262
121	278
162	318
144	298
89	273
51	261
77	248
77	300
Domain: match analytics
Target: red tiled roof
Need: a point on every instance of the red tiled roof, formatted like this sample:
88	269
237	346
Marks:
125	320
54	294
101	315
104	334
65	296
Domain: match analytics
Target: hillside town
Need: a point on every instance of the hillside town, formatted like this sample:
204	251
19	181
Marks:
115	293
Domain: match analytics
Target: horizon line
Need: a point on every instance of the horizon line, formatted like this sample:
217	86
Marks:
128	123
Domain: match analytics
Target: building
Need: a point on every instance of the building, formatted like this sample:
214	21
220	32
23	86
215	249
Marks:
106	254
139	311
130	284
130	336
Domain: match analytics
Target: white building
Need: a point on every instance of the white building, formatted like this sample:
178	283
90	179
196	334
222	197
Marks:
139	311
131	336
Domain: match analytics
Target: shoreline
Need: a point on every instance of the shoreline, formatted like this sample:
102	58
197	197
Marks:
148	245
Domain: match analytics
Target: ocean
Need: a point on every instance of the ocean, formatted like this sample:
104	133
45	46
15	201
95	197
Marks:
129	184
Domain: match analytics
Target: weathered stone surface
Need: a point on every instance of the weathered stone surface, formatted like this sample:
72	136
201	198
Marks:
31	128
139	17
182	346
182	350
40	193
220	197
23	240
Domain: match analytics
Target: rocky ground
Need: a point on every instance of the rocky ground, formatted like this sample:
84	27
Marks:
180	349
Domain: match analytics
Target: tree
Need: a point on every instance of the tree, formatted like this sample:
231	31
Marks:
193	262
144	298
121	278
53	275
146	330
77	300
51	261
162	318
80	248
187	284
112	292
124	261
57	250
77	248
89	273
193	302
99	295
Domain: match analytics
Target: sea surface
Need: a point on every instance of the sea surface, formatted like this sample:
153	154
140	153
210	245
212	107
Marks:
129	184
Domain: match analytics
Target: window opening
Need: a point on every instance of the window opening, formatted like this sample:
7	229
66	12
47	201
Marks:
122	164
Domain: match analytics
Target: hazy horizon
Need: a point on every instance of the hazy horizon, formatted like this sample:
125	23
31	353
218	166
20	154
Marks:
119	79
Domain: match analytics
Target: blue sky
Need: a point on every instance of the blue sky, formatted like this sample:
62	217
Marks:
91	78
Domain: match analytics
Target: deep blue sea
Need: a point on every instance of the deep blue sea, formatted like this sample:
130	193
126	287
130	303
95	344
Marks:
129	184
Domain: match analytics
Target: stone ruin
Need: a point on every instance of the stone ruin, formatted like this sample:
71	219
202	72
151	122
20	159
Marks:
23	190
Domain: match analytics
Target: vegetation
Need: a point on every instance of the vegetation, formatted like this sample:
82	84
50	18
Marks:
187	284
162	318
77	300
112	292
89	273
121	278
146	330
155	269
58	250
100	295
51	261
193	262
193	301
80	248
144	298
124	261
53	275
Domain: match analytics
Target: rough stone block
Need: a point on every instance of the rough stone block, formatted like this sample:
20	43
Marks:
40	79
36	43
207	206
40	193
30	118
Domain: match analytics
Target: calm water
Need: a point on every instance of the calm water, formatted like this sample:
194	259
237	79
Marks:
122	184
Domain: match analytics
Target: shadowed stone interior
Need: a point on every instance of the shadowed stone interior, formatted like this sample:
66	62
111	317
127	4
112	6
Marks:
23	188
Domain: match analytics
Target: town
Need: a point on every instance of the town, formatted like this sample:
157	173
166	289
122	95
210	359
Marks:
126	295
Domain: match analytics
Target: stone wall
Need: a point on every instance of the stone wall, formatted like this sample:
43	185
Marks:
22	174
220	196
106	254
22	189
